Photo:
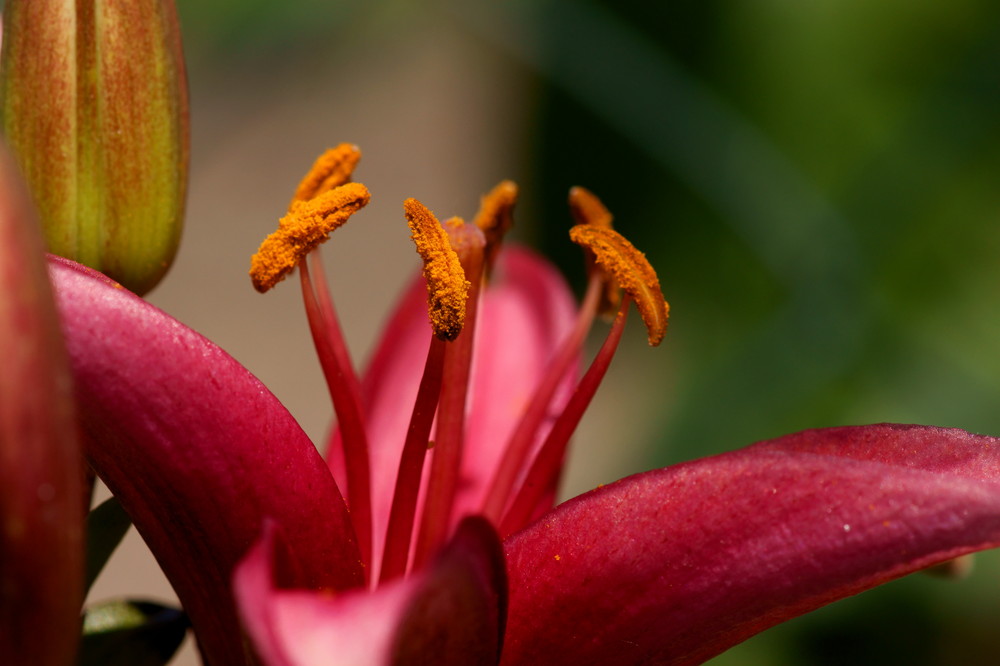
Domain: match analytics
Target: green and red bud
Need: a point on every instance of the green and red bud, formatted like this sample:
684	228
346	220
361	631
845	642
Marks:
94	106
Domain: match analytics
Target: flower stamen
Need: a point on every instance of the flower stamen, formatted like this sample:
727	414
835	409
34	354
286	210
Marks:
629	267
588	209
447	288
346	397
307	225
543	476
324	200
469	245
411	465
330	170
519	446
496	217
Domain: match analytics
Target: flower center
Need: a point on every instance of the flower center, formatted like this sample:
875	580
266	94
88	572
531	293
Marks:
457	258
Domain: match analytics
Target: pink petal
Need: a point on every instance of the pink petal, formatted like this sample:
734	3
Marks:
450	613
526	312
41	469
679	564
199	453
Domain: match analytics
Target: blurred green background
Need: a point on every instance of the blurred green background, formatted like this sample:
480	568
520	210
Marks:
816	183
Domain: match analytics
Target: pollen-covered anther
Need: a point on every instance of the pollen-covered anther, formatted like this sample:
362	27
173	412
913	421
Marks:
588	209
307	225
614	254
496	217
447	288
330	170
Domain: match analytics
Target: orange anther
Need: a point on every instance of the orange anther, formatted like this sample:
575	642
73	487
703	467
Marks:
587	208
331	169
307	225
619	258
447	288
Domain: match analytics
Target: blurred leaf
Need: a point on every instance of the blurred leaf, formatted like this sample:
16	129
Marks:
132	633
106	527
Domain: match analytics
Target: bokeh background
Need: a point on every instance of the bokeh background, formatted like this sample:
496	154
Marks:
816	182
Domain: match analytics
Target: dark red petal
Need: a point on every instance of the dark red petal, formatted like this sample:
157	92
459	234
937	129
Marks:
41	469
199	452
451	613
677	565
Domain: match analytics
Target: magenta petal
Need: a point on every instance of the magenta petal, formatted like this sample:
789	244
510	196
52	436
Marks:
41	469
677	565
199	452
451	613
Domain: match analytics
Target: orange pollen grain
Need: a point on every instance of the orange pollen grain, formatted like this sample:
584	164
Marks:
615	255
331	170
307	225
447	288
588	209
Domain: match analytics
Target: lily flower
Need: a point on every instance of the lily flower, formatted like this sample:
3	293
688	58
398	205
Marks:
445	546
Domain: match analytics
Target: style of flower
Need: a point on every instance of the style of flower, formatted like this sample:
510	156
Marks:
447	548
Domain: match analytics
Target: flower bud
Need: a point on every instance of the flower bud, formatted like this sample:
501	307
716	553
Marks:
94	103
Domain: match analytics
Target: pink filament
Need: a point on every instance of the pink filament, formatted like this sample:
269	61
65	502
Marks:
450	433
519	446
335	361
547	464
411	465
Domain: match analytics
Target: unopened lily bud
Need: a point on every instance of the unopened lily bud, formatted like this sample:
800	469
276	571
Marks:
94	103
